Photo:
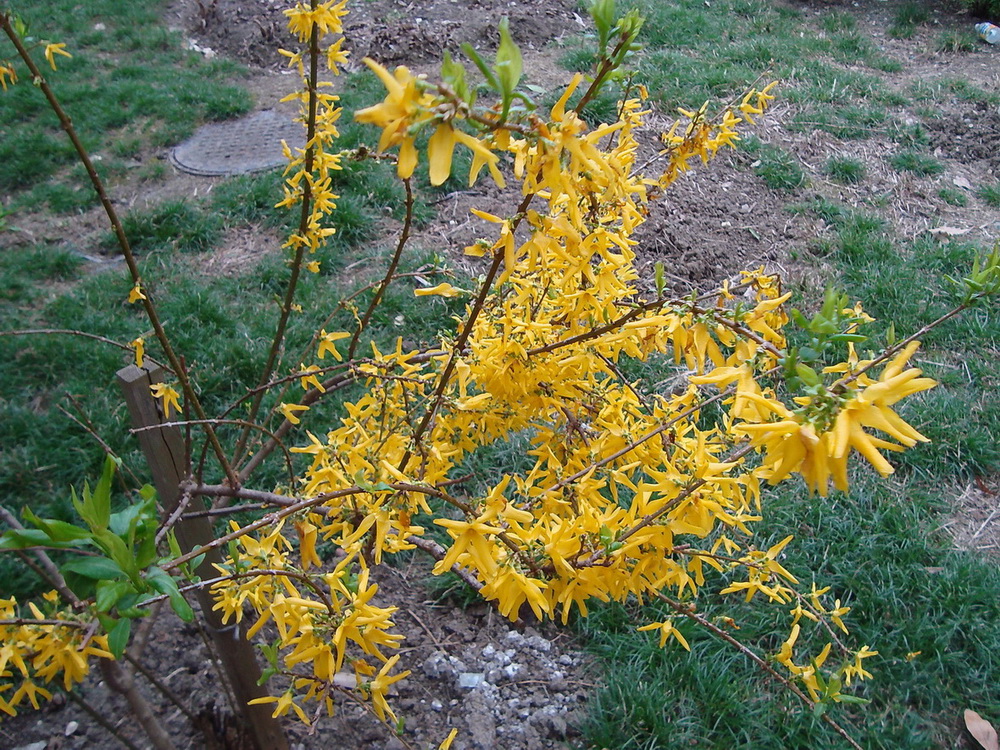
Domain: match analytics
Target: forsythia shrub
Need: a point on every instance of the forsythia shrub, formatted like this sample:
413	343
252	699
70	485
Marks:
631	492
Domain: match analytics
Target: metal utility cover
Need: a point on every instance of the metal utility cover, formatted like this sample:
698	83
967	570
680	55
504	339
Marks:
250	144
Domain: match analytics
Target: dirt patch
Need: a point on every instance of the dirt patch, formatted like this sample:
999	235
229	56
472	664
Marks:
969	135
395	32
975	526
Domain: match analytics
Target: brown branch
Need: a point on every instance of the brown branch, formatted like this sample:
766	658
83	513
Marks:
438	552
404	235
842	384
267	520
84	334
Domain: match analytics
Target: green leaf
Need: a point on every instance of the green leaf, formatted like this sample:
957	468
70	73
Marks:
603	14
110	593
23	538
115	548
57	531
95	568
453	74
164	583
807	374
852	699
101	498
842	338
471	53
509	64
118	637
266	674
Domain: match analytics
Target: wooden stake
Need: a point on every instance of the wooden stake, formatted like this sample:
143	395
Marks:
164	451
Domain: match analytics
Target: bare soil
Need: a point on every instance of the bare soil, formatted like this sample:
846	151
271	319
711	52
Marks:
531	681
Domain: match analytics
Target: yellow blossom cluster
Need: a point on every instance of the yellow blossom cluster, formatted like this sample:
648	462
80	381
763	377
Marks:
47	646
626	492
308	180
316	618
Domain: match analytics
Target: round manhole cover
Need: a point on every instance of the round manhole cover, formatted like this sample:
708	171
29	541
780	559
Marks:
250	144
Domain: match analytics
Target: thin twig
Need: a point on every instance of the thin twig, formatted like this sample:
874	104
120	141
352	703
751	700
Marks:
161	335
701	620
99	718
404	235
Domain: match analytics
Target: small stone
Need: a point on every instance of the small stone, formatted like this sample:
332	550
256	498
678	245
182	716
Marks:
437	665
71	728
471	680
437	705
511	670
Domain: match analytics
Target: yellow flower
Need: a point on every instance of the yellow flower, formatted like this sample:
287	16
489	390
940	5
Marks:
326	18
309	379
7	70
397	112
336	56
667	630
326	343
140	349
169	397
446	745
51	50
289	411
857	669
136	294
283	703
441	290
380	685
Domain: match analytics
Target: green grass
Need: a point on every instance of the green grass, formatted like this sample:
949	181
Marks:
846	170
917	163
990	194
956	42
130	87
953	197
696	52
909	15
909	592
777	167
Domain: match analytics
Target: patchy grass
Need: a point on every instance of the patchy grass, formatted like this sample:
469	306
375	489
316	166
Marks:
779	168
696	52
846	170
909	15
990	194
160	98
953	197
957	42
917	163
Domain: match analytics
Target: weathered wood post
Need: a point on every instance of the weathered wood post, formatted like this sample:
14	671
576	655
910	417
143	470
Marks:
164	451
